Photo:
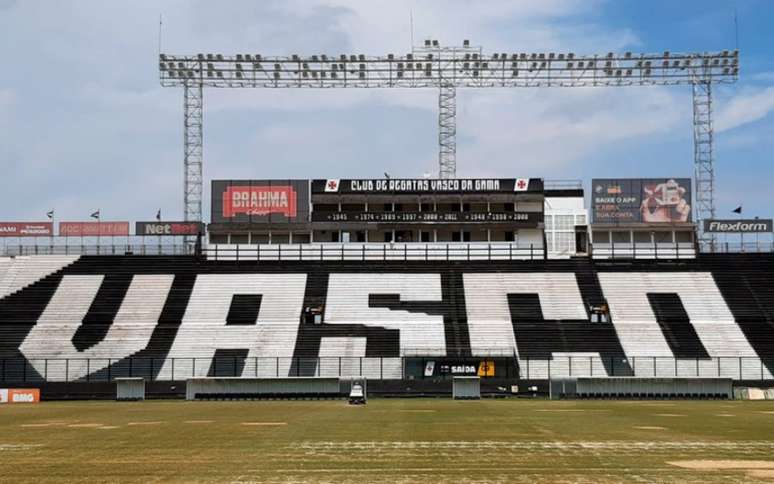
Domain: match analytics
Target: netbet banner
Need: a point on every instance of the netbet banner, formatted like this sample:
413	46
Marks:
738	226
641	200
260	201
427	186
26	229
168	228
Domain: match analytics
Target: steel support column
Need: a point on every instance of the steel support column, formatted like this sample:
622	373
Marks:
193	104
704	160
447	131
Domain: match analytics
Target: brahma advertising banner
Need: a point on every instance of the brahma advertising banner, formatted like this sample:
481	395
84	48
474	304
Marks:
93	229
168	228
641	200
260	201
427	186
26	229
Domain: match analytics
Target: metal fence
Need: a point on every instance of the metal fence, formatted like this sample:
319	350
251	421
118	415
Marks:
97	249
644	251
752	247
374	252
382	368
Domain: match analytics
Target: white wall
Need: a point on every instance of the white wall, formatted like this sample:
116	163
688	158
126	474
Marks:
561	216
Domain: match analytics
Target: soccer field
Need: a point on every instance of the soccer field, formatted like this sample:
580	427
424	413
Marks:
406	440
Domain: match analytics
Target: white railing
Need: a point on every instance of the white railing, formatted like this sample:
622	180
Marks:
373	252
384	368
411	251
752	247
105	245
644	251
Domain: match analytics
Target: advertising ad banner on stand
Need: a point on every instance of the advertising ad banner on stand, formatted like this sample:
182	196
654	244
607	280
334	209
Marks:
399	186
260	201
168	228
641	200
93	229
738	226
514	219
26	229
19	395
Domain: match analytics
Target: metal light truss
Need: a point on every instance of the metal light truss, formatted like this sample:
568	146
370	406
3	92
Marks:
193	111
447	69
452	67
447	101
704	159
447	131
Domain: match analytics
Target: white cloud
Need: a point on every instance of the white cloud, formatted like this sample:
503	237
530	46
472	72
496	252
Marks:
745	108
7	98
107	134
546	132
762	76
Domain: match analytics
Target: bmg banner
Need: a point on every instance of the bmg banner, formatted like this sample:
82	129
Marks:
19	395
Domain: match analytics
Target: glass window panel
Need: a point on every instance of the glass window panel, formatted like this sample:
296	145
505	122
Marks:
600	237
642	237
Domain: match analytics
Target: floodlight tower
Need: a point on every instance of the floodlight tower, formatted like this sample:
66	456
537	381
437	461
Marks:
447	69
442	56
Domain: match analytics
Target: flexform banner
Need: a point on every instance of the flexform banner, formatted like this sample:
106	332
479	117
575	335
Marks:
26	229
19	395
517	219
260	201
641	200
168	228
93	229
738	226
427	186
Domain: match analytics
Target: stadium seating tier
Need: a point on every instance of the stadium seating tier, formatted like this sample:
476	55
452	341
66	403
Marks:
70	318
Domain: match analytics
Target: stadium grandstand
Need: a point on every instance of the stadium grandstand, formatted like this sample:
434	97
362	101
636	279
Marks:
289	322
408	283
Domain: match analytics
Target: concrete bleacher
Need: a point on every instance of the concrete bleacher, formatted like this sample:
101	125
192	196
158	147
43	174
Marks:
178	317
5	263
16	273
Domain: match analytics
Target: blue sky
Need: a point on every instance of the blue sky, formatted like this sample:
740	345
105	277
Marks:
84	123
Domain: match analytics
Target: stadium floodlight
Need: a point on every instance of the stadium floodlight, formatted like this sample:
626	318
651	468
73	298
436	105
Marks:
451	68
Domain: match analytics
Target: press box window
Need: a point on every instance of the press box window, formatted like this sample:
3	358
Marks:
622	238
238	238
600	237
684	237
642	238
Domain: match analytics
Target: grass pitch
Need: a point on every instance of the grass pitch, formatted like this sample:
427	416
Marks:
409	440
